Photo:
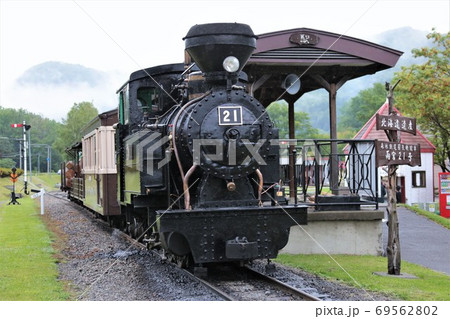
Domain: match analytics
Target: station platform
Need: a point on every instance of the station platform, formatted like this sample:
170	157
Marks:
355	232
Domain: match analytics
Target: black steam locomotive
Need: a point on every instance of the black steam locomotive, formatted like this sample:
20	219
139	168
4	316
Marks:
197	169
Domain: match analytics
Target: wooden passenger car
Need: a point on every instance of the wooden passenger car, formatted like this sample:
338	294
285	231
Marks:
94	181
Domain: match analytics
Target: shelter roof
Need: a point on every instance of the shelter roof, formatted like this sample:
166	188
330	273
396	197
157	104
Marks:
312	54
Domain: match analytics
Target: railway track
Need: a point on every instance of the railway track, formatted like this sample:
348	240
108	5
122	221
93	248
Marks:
59	195
234	283
231	282
246	284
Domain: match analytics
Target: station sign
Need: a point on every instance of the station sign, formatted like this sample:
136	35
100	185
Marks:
393	153
304	38
396	123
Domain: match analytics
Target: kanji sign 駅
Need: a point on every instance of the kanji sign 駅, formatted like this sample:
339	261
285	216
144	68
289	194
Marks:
389	153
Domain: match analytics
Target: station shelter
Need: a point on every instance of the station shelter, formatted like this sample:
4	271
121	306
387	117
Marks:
318	59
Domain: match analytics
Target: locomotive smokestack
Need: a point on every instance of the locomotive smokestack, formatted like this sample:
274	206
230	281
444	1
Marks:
220	49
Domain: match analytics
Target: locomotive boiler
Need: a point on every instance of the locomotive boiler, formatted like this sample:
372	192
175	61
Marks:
197	156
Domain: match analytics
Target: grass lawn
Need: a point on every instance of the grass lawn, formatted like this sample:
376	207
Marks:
28	269
47	181
434	217
430	285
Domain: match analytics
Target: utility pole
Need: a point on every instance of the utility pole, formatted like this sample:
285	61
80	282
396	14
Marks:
39	163
49	159
29	151
393	245
49	156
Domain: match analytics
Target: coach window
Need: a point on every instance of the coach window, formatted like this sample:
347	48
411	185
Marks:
418	179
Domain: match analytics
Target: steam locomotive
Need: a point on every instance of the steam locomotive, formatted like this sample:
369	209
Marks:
196	171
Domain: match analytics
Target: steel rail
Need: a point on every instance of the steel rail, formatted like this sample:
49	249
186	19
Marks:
283	286
225	296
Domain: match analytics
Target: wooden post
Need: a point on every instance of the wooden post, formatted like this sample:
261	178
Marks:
393	245
332	87
334	160
291	114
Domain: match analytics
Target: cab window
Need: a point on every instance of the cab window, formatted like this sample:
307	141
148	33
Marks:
148	99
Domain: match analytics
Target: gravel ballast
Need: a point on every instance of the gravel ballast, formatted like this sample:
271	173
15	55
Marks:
99	264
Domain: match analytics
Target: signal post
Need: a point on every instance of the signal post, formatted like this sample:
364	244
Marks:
25	128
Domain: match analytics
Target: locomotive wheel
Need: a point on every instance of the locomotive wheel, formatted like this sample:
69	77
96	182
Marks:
183	261
111	221
137	228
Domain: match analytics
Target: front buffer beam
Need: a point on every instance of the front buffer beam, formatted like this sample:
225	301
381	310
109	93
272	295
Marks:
229	234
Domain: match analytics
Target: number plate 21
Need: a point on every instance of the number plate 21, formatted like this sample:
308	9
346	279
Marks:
230	115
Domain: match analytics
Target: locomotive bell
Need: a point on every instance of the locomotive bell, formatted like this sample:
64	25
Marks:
216	47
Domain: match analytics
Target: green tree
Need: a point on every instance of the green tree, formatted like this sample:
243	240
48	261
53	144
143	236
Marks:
278	112
7	162
424	93
78	117
42	132
360	108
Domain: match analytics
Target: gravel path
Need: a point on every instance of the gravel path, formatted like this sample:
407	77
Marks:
99	264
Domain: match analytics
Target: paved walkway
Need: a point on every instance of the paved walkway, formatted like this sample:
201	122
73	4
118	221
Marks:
422	241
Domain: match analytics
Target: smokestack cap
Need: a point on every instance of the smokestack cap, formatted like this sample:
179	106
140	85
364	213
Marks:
209	44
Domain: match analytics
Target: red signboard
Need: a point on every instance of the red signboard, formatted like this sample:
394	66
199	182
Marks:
16	125
390	153
444	194
396	123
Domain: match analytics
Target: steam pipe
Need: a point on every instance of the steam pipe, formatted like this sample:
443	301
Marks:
187	196
175	149
260	185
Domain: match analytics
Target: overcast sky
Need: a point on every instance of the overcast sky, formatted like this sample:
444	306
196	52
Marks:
122	36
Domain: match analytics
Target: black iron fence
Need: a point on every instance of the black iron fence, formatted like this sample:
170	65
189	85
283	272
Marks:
330	174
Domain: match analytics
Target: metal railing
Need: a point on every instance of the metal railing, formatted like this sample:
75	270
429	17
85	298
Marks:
330	174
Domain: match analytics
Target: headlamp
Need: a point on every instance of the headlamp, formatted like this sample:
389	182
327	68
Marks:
231	64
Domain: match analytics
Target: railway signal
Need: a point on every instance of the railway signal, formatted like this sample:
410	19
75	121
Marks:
25	126
14	177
